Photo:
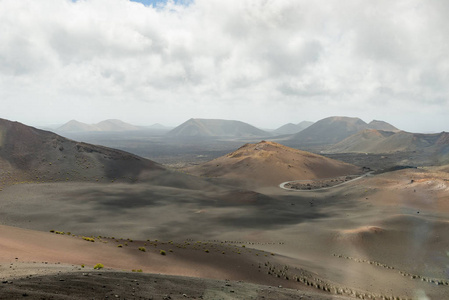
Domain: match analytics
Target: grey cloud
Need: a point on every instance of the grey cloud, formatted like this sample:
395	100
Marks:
304	89
213	54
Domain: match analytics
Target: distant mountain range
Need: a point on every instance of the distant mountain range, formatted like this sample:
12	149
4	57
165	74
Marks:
111	125
324	132
107	125
216	128
291	128
332	130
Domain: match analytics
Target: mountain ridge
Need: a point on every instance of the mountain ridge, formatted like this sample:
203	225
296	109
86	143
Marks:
216	128
109	125
332	130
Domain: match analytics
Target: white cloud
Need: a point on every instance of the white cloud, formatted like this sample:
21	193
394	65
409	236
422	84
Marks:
267	62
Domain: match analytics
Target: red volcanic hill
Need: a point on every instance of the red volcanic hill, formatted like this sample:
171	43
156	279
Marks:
270	163
30	154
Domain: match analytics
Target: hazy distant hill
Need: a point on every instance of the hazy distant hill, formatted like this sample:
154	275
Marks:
76	126
27	153
216	128
329	131
291	128
272	163
116	125
332	130
376	141
158	126
381	125
106	125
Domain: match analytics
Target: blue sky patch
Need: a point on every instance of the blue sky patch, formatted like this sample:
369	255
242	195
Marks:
159	2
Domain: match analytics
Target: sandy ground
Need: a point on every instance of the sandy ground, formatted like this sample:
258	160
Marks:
384	235
36	263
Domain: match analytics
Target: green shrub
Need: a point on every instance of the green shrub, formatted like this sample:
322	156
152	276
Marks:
162	252
142	249
88	239
120	246
98	266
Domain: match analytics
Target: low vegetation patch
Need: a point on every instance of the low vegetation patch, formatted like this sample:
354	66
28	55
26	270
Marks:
98	266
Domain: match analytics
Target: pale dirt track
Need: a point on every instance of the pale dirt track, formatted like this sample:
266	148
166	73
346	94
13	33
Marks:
282	185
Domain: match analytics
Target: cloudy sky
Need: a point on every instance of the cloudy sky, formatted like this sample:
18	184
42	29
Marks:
265	62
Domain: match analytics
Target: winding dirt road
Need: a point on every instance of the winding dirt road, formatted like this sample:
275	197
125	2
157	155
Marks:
282	185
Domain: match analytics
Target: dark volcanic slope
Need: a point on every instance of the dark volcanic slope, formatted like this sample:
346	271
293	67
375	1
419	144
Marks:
216	128
328	131
30	154
122	285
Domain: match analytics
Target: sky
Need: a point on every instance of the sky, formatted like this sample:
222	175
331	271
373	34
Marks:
265	62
